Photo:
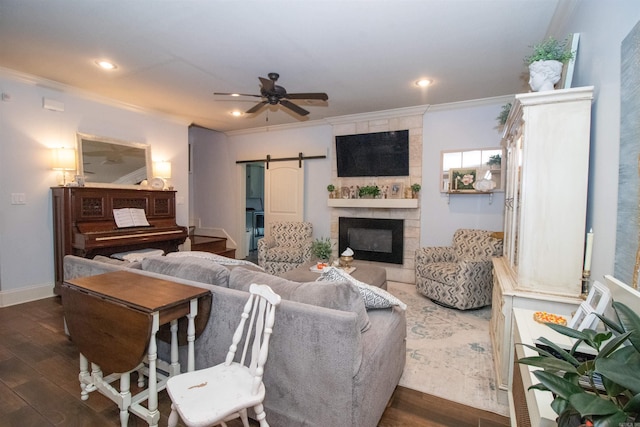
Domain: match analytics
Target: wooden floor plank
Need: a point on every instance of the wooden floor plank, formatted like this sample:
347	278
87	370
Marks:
39	383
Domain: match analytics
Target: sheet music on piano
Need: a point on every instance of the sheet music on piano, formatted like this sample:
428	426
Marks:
130	217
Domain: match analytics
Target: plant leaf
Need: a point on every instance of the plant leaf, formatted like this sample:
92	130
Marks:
630	321
614	420
548	363
612	345
622	367
564	353
592	404
540	351
569	418
557	385
633	406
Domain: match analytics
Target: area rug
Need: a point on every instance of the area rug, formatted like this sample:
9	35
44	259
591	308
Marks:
449	352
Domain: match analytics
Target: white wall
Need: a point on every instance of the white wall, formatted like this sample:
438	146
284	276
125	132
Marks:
462	125
602	27
313	139
27	131
213	184
450	127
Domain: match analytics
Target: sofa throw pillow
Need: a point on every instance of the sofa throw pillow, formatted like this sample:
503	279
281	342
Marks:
190	268
340	295
373	296
223	260
138	255
121	263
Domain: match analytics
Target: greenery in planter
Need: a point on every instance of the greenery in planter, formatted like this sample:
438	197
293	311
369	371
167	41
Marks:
415	188
331	188
495	160
369	190
504	114
321	248
616	365
550	50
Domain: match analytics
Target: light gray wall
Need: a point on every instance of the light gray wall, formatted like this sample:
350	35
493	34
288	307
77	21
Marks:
213	185
602	27
450	127
27	132
314	139
462	125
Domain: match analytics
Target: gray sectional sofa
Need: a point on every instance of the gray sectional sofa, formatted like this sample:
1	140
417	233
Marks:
332	362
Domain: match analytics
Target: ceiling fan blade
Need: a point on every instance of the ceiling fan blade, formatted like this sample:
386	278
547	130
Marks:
294	107
236	94
318	95
256	107
267	85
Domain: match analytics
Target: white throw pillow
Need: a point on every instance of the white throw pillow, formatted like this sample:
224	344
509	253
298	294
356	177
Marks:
373	296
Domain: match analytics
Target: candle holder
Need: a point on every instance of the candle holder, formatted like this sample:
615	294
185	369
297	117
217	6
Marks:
586	274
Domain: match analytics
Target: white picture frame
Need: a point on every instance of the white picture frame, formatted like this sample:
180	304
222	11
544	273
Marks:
599	297
584	318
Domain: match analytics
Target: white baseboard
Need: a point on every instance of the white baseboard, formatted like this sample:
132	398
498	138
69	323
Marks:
22	295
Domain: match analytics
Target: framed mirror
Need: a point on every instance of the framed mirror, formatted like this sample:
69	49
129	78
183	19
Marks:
108	162
486	164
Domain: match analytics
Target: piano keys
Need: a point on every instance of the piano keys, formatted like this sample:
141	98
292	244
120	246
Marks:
83	223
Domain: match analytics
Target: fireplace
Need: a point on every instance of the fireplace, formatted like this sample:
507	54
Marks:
371	239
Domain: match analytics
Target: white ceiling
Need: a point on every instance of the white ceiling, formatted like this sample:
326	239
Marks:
173	54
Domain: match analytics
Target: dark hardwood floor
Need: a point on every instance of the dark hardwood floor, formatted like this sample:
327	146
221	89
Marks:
39	382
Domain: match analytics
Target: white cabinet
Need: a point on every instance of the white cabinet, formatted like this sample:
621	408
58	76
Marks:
546	141
506	297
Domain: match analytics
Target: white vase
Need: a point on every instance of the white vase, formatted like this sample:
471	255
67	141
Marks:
543	75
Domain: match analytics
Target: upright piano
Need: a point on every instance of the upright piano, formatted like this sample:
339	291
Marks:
83	223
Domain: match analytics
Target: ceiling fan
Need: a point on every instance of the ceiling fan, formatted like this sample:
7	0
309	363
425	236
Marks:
273	94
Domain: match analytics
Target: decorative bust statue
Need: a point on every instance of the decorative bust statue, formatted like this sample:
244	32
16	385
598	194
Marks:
543	75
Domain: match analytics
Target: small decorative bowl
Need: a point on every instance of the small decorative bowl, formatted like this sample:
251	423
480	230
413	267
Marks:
345	261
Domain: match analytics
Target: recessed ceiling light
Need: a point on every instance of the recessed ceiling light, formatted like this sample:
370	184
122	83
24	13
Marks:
106	65
237	113
423	82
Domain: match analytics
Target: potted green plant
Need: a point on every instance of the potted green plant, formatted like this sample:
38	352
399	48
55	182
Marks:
494	160
331	188
369	192
415	189
321	248
504	114
545	63
615	366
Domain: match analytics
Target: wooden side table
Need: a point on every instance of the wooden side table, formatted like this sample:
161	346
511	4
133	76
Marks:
113	318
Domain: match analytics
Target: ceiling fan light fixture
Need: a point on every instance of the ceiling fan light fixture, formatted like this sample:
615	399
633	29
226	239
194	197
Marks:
237	113
106	65
423	83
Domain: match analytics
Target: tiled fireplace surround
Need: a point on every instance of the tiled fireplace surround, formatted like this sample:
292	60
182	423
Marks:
412	120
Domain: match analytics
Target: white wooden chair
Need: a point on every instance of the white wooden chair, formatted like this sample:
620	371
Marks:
223	392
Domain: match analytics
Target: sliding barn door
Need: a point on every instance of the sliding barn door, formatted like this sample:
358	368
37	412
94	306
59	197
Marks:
283	193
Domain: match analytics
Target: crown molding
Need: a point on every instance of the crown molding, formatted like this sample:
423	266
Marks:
377	115
285	126
41	82
472	103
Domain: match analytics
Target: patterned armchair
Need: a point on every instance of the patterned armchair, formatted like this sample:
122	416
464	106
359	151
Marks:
459	276
287	247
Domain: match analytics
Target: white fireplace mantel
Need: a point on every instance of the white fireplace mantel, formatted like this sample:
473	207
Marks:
374	203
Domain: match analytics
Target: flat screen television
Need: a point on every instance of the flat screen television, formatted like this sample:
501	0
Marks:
373	154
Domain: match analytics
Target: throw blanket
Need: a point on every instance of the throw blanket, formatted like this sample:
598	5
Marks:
214	257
